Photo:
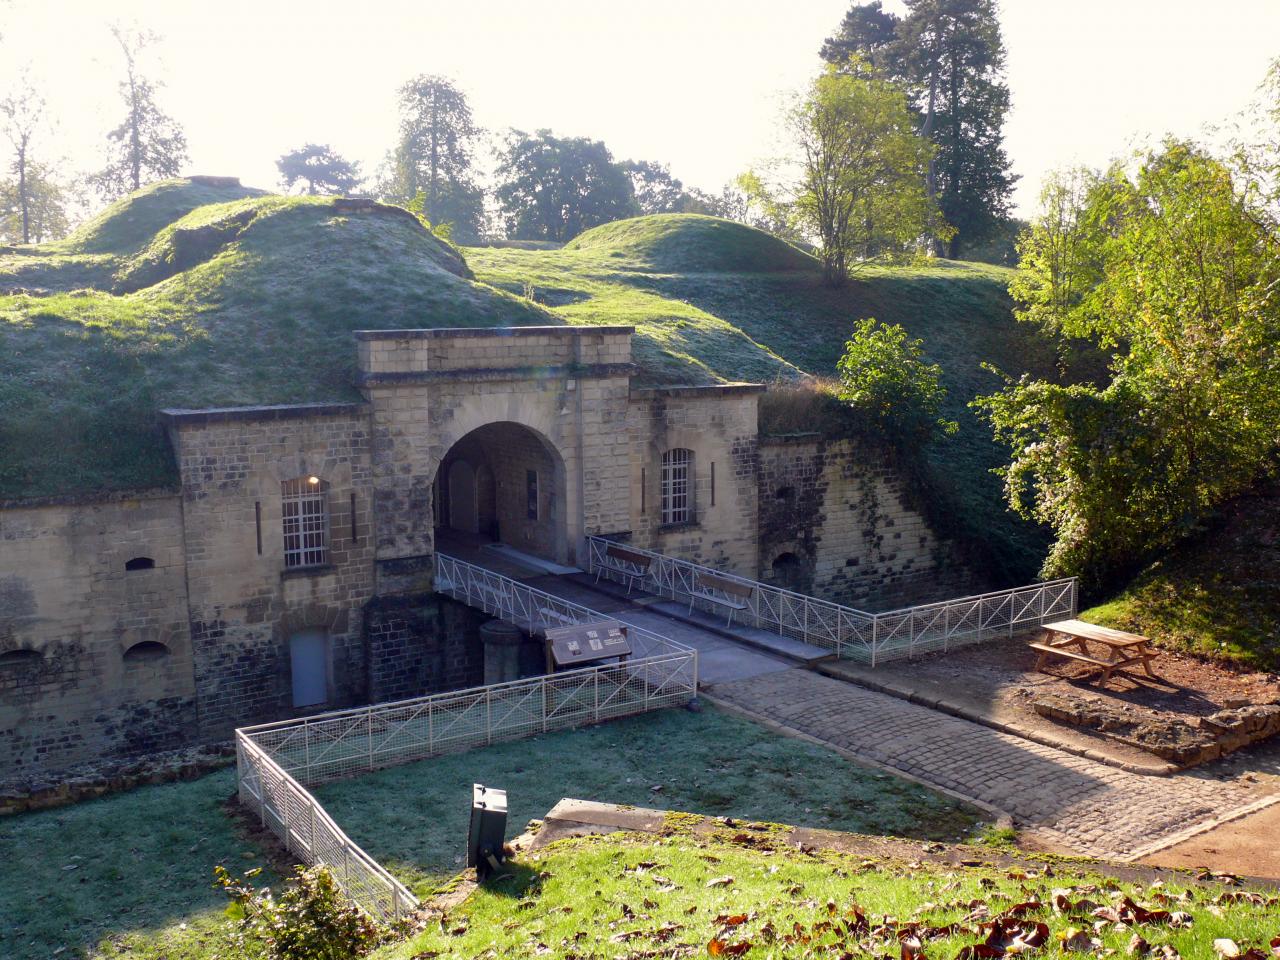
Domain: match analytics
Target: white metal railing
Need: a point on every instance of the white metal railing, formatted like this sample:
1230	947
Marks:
275	760
856	634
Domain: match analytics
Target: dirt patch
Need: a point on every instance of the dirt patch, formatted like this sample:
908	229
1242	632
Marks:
1000	678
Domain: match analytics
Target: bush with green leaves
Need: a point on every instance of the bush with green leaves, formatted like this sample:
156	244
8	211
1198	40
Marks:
884	377
311	920
1172	266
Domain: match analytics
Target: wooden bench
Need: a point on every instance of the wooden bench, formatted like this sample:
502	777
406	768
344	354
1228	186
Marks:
1122	649
721	591
629	564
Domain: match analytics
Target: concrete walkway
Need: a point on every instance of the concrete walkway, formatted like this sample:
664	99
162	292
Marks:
1069	802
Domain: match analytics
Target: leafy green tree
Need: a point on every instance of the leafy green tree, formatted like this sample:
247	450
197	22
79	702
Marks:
36	212
1172	265
553	188
434	157
319	169
148	144
950	56
861	184
21	115
654	188
883	375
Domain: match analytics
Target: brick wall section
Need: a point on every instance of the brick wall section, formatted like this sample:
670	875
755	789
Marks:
719	425
66	595
842	512
244	604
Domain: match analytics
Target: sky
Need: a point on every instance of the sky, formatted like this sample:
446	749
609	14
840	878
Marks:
696	84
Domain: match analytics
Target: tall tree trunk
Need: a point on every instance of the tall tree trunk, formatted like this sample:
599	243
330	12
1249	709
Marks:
926	132
953	171
23	193
433	216
135	135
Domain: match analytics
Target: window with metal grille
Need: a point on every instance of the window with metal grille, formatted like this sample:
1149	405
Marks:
677	486
306	522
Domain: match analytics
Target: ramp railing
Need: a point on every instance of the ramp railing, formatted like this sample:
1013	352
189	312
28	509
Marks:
275	760
854	634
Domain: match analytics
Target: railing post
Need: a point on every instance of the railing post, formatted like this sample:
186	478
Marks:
595	684
488	715
369	734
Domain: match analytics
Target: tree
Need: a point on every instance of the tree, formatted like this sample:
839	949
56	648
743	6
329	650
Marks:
861	184
434	156
320	167
1172	265
22	113
950	56
883	375
36	213
553	188
654	188
148	144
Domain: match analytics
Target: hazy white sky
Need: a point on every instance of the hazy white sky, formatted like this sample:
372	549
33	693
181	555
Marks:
693	83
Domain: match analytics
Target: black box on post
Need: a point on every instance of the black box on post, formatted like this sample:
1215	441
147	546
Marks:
488	833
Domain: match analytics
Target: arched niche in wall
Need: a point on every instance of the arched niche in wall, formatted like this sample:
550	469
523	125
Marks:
788	571
134	564
21	659
146	651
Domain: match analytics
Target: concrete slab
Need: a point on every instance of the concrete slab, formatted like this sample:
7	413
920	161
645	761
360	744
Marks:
719	659
772	643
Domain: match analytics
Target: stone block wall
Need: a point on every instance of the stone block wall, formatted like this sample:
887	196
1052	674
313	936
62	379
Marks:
719	425
430	389
421	645
244	604
835	522
95	654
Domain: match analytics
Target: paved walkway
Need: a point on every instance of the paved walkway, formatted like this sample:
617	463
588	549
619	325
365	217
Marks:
1072	802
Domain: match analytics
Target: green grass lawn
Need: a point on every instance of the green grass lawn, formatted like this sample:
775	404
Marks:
413	818
130	874
125	875
632	895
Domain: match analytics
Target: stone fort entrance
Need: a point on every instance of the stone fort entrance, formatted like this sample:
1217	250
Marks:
503	482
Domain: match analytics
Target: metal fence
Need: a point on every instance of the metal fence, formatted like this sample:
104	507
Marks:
274	760
870	638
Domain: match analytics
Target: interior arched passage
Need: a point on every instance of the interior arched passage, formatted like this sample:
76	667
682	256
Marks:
502	482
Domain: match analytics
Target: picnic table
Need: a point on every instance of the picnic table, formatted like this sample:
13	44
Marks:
1074	636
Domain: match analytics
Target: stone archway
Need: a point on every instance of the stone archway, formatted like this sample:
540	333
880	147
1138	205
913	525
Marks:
506	482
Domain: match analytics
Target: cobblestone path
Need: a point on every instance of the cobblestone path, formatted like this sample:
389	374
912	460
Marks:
1078	804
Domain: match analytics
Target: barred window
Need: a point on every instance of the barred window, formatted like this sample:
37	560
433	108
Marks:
305	514
677	486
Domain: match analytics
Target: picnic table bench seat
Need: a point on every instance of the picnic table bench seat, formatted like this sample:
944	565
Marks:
722	591
631	565
1123	649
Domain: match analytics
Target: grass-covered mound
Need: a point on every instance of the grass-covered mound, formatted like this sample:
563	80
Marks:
743	890
242	302
692	243
1216	594
132	221
771	325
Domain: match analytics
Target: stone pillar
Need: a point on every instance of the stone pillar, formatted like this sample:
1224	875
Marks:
501	651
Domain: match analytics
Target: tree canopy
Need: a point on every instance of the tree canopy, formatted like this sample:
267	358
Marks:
432	162
949	56
553	188
861	188
318	169
148	144
1170	264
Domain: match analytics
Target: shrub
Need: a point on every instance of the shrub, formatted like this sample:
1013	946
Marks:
883	376
312	920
